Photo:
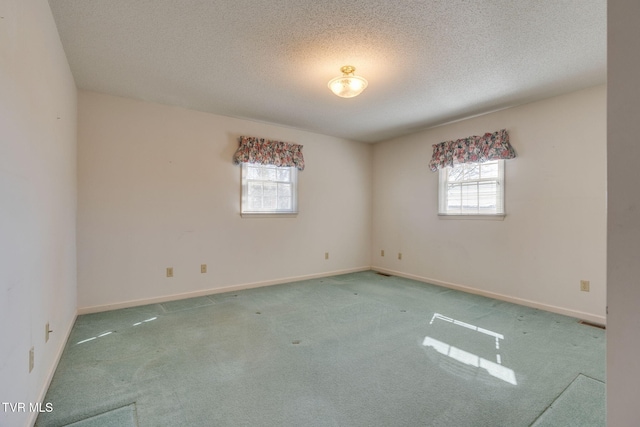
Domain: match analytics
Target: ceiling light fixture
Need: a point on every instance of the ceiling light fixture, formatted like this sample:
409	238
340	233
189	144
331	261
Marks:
348	84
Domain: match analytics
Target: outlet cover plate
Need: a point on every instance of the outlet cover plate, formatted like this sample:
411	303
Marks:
584	285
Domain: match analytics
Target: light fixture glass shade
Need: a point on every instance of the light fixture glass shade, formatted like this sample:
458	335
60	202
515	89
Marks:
348	85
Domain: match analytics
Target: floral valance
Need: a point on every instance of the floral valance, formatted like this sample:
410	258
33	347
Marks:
474	149
265	152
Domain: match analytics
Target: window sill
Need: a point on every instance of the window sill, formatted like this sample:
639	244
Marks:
496	217
268	215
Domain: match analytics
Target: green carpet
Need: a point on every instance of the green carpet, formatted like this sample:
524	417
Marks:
352	350
582	404
121	417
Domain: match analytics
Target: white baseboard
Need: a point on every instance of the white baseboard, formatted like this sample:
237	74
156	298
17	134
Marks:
52	370
232	288
600	320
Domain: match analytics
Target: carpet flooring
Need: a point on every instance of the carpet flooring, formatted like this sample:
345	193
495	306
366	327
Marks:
358	349
121	417
582	404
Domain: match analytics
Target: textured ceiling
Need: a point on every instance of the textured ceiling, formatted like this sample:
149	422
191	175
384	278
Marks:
428	62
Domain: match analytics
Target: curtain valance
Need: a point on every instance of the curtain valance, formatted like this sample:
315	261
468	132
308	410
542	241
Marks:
474	149
265	152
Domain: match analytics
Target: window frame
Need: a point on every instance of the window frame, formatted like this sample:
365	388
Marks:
443	181
244	193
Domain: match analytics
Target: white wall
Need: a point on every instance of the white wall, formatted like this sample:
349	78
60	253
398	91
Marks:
38	202
157	189
554	232
623	231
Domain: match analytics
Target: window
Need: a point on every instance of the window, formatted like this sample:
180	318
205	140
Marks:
268	189
472	189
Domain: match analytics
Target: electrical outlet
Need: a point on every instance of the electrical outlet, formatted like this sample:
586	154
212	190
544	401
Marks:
203	268
399	255
584	285
169	271
31	357
326	255
47	331
382	252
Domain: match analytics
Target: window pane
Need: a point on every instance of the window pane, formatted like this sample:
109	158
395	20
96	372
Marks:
454	198
270	189
490	170
270	174
487	195
456	173
284	202
472	171
470	198
253	172
284	190
269	203
255	189
283	174
255	203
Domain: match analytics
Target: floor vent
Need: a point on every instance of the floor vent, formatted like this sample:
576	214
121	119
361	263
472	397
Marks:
595	325
383	274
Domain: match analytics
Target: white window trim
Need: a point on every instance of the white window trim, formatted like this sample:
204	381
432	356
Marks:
270	213
490	217
442	182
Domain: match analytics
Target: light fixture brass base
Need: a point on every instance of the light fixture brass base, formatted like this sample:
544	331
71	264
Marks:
348	69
